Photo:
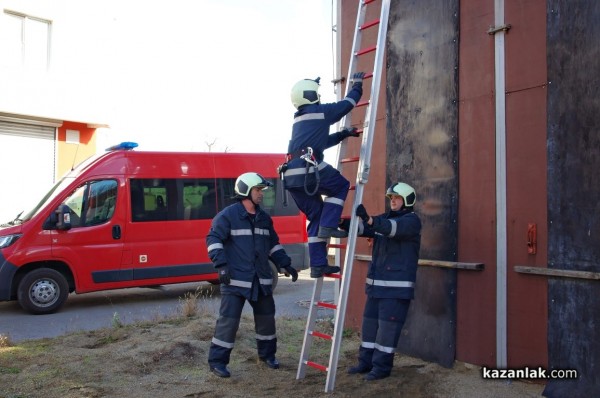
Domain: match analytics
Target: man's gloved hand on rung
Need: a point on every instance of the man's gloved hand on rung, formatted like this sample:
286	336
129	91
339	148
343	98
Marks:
349	132
357	78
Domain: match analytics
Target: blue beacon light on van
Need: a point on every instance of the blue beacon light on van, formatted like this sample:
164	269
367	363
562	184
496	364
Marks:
127	146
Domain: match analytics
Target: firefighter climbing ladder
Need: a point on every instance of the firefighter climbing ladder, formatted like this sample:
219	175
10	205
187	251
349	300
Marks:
364	161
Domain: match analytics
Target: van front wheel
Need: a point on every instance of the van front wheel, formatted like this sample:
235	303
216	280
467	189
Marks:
42	291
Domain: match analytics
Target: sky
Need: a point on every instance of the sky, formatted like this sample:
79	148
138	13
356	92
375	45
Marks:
210	74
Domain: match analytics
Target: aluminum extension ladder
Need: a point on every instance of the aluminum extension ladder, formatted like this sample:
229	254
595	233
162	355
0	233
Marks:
364	161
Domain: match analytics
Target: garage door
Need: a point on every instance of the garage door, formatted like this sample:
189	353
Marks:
27	166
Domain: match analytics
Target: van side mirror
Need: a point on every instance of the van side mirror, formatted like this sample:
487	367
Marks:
63	215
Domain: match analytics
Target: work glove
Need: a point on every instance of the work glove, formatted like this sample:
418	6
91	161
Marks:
291	271
224	276
362	213
357	78
349	132
344	224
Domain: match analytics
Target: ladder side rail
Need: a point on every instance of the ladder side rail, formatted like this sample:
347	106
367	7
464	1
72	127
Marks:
364	163
345	122
347	119
361	180
344	289
360	17
310	325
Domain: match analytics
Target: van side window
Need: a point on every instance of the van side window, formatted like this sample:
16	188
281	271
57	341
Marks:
92	203
272	198
171	199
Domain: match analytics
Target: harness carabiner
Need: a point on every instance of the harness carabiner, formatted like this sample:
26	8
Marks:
311	160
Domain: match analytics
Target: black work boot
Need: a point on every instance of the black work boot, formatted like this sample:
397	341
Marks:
360	368
220	370
372	375
273	363
317	272
326	232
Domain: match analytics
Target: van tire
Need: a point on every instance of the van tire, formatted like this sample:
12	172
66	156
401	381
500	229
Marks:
42	291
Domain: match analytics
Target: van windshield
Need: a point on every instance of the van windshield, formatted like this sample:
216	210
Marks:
56	189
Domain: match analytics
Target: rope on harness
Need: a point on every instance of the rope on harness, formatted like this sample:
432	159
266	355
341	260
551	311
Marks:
311	160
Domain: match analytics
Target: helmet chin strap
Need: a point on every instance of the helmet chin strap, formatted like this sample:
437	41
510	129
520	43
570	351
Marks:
249	197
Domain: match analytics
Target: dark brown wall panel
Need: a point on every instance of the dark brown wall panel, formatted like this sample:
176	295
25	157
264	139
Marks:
573	29
422	151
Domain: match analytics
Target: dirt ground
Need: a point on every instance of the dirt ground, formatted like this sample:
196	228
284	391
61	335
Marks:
168	358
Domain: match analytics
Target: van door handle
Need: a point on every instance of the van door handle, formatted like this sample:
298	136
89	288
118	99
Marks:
116	232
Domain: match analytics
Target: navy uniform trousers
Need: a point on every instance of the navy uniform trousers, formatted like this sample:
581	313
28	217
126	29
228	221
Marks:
319	212
383	320
228	323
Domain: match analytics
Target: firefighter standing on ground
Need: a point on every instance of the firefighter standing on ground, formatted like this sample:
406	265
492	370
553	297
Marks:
307	177
390	279
240	243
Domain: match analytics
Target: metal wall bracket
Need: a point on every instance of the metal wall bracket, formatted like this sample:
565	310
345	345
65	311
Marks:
495	29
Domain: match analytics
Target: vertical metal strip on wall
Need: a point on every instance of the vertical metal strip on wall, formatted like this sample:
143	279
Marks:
501	238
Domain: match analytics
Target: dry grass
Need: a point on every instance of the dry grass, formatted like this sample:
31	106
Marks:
192	303
5	341
168	358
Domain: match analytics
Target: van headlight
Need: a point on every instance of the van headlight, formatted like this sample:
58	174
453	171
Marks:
8	240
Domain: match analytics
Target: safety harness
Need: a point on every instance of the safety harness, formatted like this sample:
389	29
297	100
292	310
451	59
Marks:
306	154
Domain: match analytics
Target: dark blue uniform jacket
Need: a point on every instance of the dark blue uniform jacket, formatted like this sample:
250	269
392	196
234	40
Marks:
311	129
396	244
245	245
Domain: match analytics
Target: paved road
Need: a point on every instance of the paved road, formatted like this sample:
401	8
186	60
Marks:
93	311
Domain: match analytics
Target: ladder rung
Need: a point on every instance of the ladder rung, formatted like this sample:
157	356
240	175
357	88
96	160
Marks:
368	2
336	245
366	51
369	24
363	103
316	366
352	188
326	305
321	335
350	160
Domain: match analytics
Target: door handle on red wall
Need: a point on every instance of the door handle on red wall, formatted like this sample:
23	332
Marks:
531	238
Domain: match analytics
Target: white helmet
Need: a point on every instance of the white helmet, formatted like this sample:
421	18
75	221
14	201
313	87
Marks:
305	92
406	191
247	181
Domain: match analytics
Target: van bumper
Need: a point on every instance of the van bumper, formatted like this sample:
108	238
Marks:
7	273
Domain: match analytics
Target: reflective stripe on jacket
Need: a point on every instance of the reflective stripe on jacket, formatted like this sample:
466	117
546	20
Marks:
311	129
396	244
245	245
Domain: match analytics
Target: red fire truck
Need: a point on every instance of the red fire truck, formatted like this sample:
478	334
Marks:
131	218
